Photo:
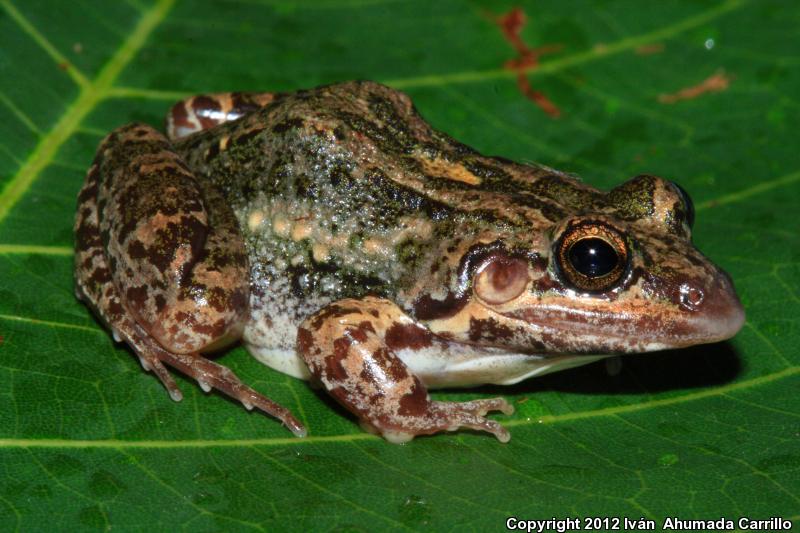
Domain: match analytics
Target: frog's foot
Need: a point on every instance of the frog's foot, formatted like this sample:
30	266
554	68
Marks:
162	263
348	348
208	374
481	407
205	111
451	416
153	364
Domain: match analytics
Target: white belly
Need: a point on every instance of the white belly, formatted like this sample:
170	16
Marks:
274	345
286	361
467	366
457	366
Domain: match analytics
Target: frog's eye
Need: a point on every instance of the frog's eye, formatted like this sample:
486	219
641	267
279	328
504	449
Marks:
687	204
501	278
592	256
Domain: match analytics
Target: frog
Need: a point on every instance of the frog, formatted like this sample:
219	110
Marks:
347	242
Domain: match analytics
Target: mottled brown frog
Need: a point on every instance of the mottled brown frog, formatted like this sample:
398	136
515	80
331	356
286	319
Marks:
346	241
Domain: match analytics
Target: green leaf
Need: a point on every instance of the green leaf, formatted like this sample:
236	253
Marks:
88	440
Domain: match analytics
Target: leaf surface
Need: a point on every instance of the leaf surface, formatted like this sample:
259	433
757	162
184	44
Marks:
710	431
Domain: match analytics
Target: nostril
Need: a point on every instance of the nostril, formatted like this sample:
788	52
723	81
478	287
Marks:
690	297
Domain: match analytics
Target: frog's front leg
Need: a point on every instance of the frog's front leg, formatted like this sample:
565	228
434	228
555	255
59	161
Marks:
160	259
345	347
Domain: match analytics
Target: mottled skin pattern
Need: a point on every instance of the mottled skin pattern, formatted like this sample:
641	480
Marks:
166	275
383	255
350	347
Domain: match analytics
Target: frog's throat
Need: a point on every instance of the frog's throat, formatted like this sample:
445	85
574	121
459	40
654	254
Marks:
461	365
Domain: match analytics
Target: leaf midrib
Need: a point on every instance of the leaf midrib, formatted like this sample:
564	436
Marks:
288	441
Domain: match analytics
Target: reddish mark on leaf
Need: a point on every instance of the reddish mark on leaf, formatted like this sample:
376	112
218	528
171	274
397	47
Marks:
649	49
523	400
537	97
511	25
717	82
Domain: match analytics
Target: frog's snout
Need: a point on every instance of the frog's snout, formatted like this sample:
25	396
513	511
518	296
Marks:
683	313
717	313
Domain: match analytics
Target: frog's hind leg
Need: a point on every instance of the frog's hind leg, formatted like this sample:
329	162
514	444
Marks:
210	375
166	275
349	347
208	110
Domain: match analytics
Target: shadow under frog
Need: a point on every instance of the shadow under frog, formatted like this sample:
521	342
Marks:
696	367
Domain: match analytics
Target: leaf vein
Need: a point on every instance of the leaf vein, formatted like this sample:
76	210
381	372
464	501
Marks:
547	67
764	186
324	490
49	323
182	498
25	25
708	393
283	441
557	65
90	94
21	116
31	249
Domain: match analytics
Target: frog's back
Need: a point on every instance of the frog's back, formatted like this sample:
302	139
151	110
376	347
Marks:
346	190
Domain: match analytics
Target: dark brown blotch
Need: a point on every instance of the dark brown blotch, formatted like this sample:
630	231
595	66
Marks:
334	371
359	333
87	237
247	136
180	117
136	250
412	336
211	152
211	331
331	312
288	124
217	298
204	108
429	308
415	403
488	330
305	340
389	366
137	296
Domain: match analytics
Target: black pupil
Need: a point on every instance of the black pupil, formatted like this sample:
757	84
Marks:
593	257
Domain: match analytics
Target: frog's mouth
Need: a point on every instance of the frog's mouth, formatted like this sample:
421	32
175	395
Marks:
697	316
